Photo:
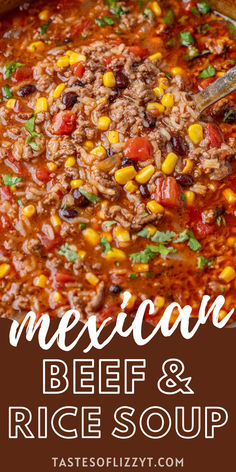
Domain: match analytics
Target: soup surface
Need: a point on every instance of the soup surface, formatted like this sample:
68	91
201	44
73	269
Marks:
109	179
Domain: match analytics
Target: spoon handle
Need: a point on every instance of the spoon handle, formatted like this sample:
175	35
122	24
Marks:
215	91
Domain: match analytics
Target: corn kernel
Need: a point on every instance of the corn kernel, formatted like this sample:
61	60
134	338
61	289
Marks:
151	229
188	166
99	152
168	166
189	197
4	270
115	255
76	183
29	211
167	100
91	236
56	297
229	195
75	58
145	174
141	267
51	166
113	137
155	207
121	234
156	56
108	236
156	8
159	301
131	186
38	46
231	241
228	274
104	123
41	105
176	71
70	162
220	74
155	107
163	83
58	90
195	133
41	281
63	61
44	15
159	91
125	174
11	103
56	221
109	79
81	254
91	278
69	52
222	314
131	302
88	144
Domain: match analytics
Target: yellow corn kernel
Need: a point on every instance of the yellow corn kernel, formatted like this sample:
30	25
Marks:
11	103
152	106
159	91
91	236
125	174
29	211
88	144
189	197
104	123
99	152
121	234
188	166
56	297
41	105
131	302
159	302
91	278
75	57
163	83
151	229
102	100
63	61
222	314
81	254
141	267
145	174
108	236
69	52
58	90
168	166
38	46
220	74
70	162
41	281
156	8
4	270
115	255
51	166
113	137
155	207
131	186
229	195
177	71
156	56
168	100
44	15
228	274
56	221
195	133
109	79
231	241
76	183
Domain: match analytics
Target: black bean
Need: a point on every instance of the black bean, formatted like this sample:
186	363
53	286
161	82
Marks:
121	80
80	200
67	40
218	212
129	162
151	120
184	180
179	145
69	99
144	191
78	83
114	96
115	289
26	90
68	213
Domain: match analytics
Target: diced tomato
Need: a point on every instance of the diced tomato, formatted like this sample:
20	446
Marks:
78	28
139	51
212	133
205	82
188	5
17	167
168	192
64	122
50	244
138	149
78	69
63	277
23	73
200	228
5	193
109	311
43	174
5	222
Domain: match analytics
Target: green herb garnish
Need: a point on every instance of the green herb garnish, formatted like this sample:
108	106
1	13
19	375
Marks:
6	92
150	252
163	236
10	67
229	113
191	54
109	223
104	21
149	12
203	262
45	27
29	126
133	276
204	7
82	226
209	71
169	18
11	180
105	244
90	196
220	220
193	243
68	253
186	38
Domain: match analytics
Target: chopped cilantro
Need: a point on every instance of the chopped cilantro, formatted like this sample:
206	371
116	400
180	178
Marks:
106	245
204	7
144	233
163	236
194	11
186	38
11	180
191	54
193	243
169	18
20	201
90	196
10	67
82	226
203	28
30	141
109	223
133	276
209	71
29	125
168	75
144	215
45	27
104	21
220	220
202	262
68	253
231	61
6	92
228	114
149	12
182	197
149	253
182	237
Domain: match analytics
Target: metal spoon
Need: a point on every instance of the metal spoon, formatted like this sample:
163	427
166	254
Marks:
215	91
